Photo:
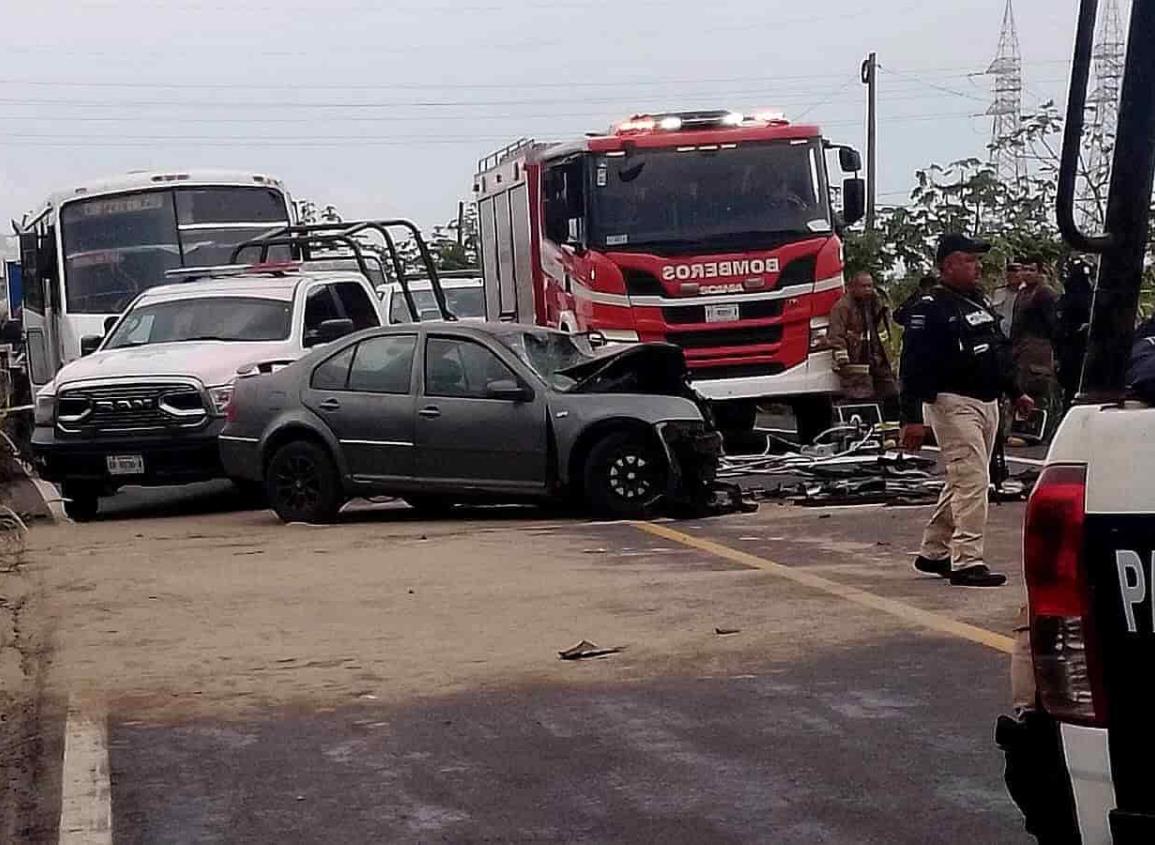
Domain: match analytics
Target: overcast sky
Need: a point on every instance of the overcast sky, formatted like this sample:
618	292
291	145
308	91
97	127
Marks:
384	108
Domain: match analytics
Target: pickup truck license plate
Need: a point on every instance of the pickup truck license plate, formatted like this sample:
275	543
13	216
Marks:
722	313
125	464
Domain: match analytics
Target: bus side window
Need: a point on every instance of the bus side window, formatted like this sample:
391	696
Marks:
38	267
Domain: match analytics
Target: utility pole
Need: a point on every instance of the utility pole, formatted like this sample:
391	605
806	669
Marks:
460	223
870	80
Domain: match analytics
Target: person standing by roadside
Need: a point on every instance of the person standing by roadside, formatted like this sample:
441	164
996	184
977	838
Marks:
1033	331
859	328
1003	300
925	284
956	364
1074	321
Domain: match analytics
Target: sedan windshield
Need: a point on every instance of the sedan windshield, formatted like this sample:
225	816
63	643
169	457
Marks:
229	318
709	197
547	353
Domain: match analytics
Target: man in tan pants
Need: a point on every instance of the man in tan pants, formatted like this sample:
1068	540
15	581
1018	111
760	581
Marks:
956	364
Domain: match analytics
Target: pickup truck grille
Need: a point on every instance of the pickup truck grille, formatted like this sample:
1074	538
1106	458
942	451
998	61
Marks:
130	408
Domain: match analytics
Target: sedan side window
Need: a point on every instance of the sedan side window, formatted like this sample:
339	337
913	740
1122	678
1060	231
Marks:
461	368
384	364
333	373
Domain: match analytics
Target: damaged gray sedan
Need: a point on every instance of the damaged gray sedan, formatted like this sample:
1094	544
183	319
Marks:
444	413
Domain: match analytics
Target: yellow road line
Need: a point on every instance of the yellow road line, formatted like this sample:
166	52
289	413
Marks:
900	610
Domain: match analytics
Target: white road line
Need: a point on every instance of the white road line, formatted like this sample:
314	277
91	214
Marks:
85	793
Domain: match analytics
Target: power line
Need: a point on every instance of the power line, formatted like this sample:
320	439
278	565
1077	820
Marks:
54	139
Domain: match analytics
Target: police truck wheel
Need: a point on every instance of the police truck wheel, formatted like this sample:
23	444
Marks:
81	501
625	476
302	483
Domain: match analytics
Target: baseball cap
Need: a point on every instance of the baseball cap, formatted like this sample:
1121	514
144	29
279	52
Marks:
958	242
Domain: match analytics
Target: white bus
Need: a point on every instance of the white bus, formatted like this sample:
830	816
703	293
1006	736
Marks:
88	251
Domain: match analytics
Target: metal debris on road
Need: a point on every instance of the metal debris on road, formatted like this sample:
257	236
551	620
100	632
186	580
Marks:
585	650
725	632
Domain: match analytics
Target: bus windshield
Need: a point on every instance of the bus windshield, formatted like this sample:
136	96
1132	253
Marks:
758	194
117	246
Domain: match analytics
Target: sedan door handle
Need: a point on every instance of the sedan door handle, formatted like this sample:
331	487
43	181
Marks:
330	405
430	413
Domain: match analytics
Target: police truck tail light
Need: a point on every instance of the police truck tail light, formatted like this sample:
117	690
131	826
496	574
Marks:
1065	674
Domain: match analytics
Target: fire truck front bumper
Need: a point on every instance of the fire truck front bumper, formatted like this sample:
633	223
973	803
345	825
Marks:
815	375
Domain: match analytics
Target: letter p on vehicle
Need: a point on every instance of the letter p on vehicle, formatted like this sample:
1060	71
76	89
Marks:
1132	584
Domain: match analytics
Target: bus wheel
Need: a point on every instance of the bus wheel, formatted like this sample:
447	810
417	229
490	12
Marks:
813	415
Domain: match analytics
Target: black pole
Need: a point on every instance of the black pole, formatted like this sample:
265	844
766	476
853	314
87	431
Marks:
870	79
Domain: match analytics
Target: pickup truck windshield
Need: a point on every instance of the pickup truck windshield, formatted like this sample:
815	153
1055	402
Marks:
548	352
755	195
229	318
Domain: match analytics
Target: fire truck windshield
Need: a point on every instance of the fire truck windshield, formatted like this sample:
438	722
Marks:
752	195
117	246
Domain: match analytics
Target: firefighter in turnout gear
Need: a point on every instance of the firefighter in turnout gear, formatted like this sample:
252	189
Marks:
859	326
956	365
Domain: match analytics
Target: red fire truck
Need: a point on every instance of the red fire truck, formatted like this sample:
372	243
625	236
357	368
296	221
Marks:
711	230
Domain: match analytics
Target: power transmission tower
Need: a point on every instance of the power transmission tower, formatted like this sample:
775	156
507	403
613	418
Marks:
1007	109
1103	105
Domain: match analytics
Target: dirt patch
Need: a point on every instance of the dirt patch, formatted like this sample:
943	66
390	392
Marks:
30	735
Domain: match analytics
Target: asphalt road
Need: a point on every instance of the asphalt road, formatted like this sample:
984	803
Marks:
393	680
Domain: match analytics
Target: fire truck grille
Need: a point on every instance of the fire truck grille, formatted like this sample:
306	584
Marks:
726	337
130	408
737	371
757	310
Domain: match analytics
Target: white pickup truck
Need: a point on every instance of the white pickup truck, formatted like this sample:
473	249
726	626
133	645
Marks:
146	403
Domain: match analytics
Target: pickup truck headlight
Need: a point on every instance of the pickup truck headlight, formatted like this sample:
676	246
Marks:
221	397
45	413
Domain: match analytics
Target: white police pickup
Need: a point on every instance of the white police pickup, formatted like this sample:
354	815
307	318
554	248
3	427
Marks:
146	403
1089	560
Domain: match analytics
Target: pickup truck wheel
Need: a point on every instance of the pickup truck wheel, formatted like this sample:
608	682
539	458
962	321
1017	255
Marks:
302	483
81	501
625	476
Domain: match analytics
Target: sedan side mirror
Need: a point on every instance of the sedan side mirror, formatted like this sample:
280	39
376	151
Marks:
328	331
90	343
508	390
853	200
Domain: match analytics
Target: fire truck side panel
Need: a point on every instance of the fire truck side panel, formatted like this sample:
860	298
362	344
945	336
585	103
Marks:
507	244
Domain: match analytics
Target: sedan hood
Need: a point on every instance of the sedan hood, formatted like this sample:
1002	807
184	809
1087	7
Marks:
213	362
657	368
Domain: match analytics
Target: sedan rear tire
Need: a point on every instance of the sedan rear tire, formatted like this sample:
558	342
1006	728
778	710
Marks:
302	483
625	476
